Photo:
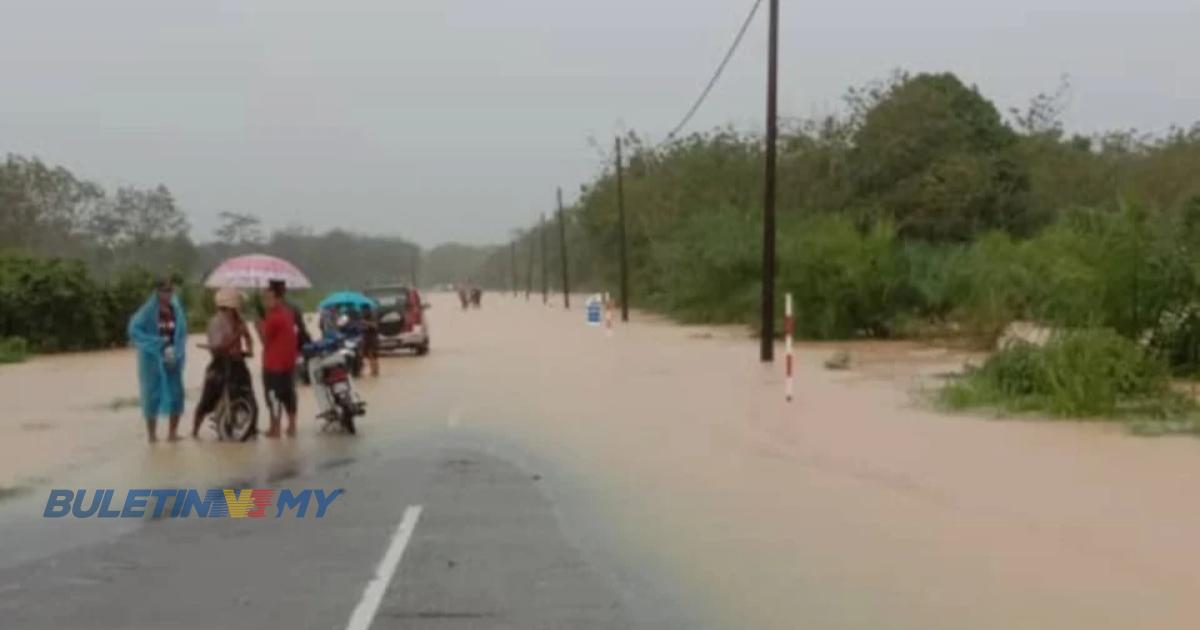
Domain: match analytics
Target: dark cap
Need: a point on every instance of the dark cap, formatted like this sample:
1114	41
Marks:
277	286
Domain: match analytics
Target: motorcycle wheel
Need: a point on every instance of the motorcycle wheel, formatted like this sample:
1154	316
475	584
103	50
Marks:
347	414
239	419
302	373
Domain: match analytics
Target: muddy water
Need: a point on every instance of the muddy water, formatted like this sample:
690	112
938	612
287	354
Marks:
852	507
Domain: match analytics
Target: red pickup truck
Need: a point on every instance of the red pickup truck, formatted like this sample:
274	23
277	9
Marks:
403	323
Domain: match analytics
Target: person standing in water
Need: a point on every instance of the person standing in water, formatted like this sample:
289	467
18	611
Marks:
159	332
278	332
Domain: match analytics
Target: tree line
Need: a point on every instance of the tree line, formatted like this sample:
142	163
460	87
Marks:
919	209
76	259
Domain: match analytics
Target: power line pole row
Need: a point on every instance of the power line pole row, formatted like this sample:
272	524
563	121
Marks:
564	258
767	305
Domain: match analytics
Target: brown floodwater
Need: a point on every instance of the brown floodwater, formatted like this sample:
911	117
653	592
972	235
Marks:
855	506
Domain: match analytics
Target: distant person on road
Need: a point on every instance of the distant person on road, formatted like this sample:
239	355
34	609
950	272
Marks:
477	297
278	333
159	332
229	342
463	297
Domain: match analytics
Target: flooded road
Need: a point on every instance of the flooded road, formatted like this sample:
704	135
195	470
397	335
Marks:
661	465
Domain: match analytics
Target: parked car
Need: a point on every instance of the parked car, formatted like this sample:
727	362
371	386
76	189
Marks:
403	323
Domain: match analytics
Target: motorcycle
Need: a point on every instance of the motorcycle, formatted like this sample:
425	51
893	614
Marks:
337	402
353	344
236	414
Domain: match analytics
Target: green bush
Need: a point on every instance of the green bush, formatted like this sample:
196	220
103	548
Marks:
52	303
846	282
707	270
1084	373
56	305
935	277
1176	337
13	350
990	286
122	295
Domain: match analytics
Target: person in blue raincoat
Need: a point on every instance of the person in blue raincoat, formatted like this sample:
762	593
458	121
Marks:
158	330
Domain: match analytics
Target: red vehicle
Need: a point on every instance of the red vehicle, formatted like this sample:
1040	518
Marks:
403	323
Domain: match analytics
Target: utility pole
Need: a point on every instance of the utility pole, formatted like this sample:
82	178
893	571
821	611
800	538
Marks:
624	252
529	272
416	265
562	249
767	349
512	256
545	261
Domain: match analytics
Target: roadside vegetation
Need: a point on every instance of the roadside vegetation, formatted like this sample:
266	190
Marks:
13	350
76	260
1082	374
923	211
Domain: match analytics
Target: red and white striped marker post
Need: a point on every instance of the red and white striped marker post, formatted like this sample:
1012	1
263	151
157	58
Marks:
789	329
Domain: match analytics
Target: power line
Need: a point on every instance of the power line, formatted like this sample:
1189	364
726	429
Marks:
717	75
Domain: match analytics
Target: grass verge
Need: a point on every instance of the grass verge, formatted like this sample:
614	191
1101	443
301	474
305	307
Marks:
13	350
1093	373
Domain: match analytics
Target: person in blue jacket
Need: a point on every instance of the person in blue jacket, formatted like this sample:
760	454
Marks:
159	332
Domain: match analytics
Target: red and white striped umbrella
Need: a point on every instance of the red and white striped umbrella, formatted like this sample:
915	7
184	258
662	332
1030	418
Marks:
254	271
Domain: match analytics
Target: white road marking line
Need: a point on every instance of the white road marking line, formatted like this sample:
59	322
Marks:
364	613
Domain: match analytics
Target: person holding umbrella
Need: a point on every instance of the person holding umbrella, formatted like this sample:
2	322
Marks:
159	332
279	328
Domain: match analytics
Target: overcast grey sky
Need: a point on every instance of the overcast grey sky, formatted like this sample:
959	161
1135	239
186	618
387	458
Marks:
455	119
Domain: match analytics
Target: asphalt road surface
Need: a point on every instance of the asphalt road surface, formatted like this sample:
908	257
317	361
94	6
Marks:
533	472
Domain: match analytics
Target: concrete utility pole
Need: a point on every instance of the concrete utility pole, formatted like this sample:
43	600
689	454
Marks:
767	349
512	257
529	272
621	228
545	261
562	239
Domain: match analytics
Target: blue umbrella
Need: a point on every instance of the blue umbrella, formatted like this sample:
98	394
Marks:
347	298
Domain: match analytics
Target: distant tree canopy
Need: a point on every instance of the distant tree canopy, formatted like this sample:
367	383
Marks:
46	211
919	204
337	259
936	157
44	208
239	228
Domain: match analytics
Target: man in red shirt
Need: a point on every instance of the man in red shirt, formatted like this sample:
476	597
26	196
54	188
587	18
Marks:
278	333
